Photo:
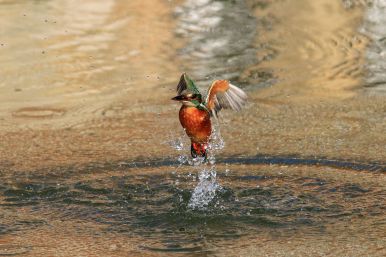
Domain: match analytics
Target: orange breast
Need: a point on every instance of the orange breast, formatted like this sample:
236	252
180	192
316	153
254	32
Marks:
196	123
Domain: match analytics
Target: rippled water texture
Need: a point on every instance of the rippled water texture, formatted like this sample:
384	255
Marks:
93	161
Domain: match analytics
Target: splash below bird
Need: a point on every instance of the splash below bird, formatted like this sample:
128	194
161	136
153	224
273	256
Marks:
196	112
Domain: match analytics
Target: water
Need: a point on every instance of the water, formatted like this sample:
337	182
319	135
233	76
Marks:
94	162
138	206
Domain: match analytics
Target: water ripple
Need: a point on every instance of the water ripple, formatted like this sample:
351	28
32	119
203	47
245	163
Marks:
155	206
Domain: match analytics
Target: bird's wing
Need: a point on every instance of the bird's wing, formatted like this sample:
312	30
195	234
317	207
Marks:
223	94
187	84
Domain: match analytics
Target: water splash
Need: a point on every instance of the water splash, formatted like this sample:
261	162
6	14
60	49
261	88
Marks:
205	190
216	142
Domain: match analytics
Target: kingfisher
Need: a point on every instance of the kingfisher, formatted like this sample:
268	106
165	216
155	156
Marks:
196	112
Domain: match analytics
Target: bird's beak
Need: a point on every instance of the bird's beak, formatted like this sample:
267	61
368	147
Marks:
179	98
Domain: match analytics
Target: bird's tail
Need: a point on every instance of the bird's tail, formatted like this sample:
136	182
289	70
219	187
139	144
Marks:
198	149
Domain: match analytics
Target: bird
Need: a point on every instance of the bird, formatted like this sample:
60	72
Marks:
196	111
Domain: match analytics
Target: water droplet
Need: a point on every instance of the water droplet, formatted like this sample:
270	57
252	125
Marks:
177	144
197	161
182	159
212	160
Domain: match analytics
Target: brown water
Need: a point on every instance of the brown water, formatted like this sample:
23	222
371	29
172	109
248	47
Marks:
86	128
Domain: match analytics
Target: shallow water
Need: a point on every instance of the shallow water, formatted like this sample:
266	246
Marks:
86	128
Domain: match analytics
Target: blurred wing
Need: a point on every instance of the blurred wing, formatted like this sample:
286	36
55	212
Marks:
223	95
187	84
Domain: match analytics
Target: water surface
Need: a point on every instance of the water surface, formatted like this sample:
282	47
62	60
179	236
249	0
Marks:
86	126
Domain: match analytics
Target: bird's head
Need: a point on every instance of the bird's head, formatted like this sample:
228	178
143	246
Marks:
189	99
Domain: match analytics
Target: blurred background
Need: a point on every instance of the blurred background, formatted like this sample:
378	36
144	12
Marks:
93	80
87	84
